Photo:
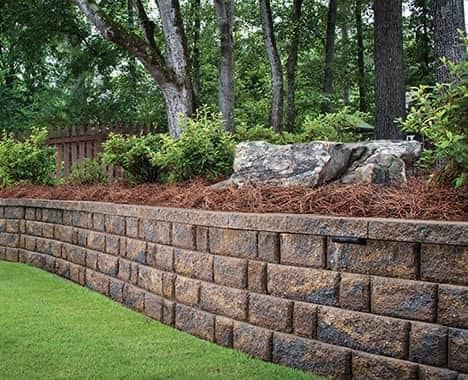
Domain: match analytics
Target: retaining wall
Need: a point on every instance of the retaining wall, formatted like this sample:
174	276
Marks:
349	298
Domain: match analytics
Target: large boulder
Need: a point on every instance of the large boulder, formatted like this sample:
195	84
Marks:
317	163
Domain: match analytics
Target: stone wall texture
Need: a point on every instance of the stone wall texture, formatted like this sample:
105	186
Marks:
390	303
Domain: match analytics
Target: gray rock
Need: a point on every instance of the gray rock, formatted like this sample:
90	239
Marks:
317	163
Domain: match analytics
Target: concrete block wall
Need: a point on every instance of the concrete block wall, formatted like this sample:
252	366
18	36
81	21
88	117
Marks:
344	297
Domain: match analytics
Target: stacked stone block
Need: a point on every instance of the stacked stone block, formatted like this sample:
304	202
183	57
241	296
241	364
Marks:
390	303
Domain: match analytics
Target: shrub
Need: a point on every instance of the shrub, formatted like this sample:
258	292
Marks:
134	155
30	161
440	115
203	149
88	172
261	133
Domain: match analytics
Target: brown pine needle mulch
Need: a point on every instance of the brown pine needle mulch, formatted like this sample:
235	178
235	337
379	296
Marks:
414	200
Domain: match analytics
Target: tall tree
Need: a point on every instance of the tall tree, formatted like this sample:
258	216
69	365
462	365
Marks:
329	56
225	15
361	77
195	10
170	71
449	17
275	64
389	69
292	64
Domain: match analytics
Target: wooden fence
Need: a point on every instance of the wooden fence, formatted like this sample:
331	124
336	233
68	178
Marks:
74	144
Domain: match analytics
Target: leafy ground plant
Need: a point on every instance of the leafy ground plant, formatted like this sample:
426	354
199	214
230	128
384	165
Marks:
54	329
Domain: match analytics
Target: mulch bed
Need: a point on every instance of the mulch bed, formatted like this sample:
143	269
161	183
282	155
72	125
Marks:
414	200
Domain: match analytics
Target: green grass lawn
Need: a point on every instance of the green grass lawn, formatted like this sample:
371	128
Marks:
53	329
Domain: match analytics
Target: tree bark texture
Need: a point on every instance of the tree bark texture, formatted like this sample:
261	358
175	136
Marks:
225	16
389	69
171	72
275	64
360	57
448	19
292	64
195	9
329	56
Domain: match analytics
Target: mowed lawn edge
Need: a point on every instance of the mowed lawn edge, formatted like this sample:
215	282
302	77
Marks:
51	328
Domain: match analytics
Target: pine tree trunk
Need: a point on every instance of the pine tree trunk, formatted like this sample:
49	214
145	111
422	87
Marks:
360	58
448	19
196	4
225	15
345	39
275	64
292	65
389	69
329	57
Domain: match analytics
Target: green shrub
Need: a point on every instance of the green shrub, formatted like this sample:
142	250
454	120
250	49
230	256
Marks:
203	149
262	133
90	171
440	115
134	155
29	161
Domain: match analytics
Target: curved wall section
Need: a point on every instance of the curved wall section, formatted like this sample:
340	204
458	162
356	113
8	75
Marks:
349	298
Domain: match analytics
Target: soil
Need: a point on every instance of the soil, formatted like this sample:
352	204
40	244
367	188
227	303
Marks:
414	200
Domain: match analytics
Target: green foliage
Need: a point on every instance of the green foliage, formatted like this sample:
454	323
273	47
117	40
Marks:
204	149
261	133
134	155
88	172
30	161
440	115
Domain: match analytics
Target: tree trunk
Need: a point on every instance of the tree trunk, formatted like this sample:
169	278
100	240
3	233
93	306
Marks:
225	15
196	4
345	39
360	58
389	69
292	65
132	70
172	72
448	19
275	64
329	56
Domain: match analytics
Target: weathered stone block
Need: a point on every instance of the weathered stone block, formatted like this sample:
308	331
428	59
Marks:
303	284
404	299
168	312
9	240
365	366
195	322
305	320
432	373
11	254
381	258
311	356
29	243
237	243
168	285
458	350
50	215
428	344
150	279
48	230
67	218
3	225
453	306
231	272
253	340
161	256
224	331
183	236
201	238
82	237
98	222
62	268
29	213
115	224
116	290
128	271
115	245
364	332
355	292
12	226
31	258
154	306
49	266
269	247
91	259
257	276
155	231
193	264
229	302
444	264
108	264
187	291
65	234
136	250
13	212
270	312
132	227
97	241
303	250
82	219
97	282
74	254
78	274
33	228
134	297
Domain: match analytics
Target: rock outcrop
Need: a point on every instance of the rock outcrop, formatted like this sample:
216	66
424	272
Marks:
316	163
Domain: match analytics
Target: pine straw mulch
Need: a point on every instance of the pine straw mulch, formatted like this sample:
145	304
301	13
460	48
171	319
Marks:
414	200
